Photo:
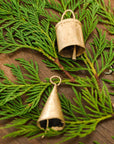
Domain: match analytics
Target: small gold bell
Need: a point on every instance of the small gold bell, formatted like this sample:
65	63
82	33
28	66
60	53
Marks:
70	37
51	115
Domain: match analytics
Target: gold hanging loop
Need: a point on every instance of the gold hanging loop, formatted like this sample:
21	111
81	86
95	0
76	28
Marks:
55	76
68	10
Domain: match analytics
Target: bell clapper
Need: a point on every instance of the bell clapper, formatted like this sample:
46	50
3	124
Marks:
47	124
74	53
46	128
109	72
42	136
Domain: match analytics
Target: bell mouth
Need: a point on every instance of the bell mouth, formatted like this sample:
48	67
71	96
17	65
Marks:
54	123
68	51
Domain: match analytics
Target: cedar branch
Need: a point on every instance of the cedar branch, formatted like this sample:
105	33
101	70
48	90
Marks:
62	68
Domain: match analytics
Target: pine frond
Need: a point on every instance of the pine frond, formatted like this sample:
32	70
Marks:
90	21
111	29
80	121
70	65
31	68
60	7
80	143
31	85
71	4
16	108
110	82
80	129
12	109
7	7
17	122
99	48
29	37
27	31
22	26
81	82
54	5
106	15
18	12
96	142
26	130
67	108
4	78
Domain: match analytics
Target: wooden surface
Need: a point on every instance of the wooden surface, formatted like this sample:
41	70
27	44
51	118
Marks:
104	131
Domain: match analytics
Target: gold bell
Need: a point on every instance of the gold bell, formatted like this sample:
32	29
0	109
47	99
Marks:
51	115
70	37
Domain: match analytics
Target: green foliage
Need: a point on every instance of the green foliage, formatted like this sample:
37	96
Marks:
29	36
30	24
28	84
69	65
111	29
106	14
26	31
99	48
90	21
60	7
95	142
110	82
79	122
27	130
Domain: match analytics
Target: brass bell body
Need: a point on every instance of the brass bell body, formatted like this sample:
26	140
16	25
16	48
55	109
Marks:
51	115
70	37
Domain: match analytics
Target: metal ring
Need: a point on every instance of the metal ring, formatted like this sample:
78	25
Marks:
66	12
55	76
109	72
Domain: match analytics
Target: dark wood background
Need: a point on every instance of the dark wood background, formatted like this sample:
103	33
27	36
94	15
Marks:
104	131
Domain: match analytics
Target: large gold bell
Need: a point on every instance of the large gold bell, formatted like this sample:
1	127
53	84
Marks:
51	115
70	37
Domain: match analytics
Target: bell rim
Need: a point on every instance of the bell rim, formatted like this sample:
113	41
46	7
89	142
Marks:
62	121
67	20
77	54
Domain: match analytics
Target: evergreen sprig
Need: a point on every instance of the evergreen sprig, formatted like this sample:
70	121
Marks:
106	15
30	24
79	122
99	48
110	82
28	84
